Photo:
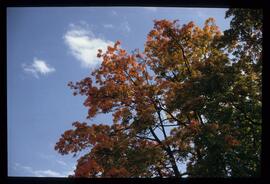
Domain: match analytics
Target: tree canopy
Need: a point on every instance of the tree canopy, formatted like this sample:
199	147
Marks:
193	96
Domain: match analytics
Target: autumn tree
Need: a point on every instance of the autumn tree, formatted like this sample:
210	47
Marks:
193	96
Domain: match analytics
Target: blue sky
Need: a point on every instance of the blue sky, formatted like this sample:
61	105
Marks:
47	48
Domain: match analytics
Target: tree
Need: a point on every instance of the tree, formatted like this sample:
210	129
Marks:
193	96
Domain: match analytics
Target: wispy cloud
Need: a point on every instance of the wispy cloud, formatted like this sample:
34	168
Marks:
114	13
52	158
18	166
199	12
153	9
110	26
46	156
191	8
47	173
124	26
84	45
38	67
61	162
40	173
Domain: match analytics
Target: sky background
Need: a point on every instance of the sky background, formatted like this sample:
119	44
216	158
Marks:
47	48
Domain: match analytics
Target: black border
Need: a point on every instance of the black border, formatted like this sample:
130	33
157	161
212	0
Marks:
3	97
81	3
156	3
265	97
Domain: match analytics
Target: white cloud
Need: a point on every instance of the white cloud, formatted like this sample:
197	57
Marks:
52	158
108	26
125	27
200	14
61	162
46	156
114	13
154	9
41	173
71	172
191	8
18	166
47	173
38	67
84	45
22	170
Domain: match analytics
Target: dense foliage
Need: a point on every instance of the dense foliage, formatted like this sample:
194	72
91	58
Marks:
192	97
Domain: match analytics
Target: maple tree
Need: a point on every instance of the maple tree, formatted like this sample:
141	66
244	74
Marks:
193	96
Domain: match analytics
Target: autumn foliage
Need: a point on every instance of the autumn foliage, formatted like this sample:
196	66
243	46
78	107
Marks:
193	96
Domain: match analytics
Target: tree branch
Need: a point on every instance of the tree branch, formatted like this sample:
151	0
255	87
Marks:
200	118
148	138
174	118
245	116
182	50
